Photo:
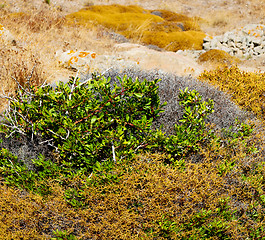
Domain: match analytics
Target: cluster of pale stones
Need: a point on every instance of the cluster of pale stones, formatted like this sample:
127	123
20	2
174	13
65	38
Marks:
245	42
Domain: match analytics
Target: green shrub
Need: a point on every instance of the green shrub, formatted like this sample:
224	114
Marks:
190	131
90	126
86	122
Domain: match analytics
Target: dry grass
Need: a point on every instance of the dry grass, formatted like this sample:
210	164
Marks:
246	88
39	34
165	29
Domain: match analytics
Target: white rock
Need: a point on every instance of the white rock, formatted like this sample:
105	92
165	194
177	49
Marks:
231	44
259	50
205	45
5	35
226	49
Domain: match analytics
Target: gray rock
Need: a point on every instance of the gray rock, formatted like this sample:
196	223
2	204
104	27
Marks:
157	13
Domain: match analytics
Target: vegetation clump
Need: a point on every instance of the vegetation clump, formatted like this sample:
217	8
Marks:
164	29
114	174
246	88
218	57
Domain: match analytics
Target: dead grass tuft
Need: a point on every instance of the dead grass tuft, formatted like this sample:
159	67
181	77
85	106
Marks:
18	67
218	57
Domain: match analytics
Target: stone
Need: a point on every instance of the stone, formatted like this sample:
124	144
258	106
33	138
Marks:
226	49
89	61
219	45
239	53
259	50
206	45
6	36
207	39
75	59
248	40
214	42
231	44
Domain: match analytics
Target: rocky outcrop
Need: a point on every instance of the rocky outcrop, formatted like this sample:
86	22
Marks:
245	42
89	61
129	55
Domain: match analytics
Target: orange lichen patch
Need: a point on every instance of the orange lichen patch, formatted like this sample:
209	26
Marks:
83	54
93	55
217	56
72	60
142	25
71	52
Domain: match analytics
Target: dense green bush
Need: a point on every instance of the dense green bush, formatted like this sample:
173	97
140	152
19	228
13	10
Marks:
86	124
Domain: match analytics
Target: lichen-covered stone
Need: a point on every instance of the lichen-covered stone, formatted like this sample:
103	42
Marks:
89	61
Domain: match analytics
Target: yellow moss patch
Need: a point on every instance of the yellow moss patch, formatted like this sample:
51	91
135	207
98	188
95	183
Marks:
217	56
174	41
247	89
165	30
116	17
172	17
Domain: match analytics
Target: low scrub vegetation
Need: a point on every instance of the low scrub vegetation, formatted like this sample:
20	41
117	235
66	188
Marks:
90	159
162	28
218	57
246	88
127	155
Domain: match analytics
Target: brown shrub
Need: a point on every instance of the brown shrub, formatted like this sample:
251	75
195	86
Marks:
247	88
18	67
218	57
145	197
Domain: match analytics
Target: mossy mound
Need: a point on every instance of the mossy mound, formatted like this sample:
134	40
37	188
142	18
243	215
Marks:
175	18
165	29
247	88
217	56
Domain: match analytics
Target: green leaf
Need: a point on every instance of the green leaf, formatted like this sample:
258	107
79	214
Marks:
93	119
139	95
